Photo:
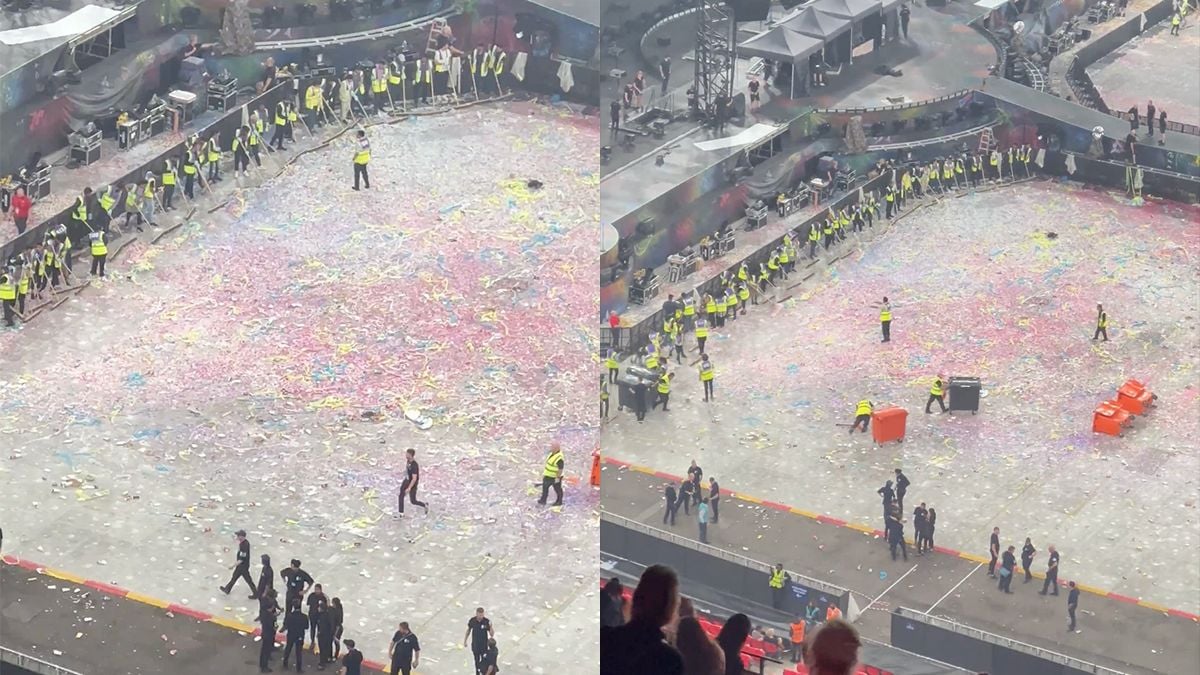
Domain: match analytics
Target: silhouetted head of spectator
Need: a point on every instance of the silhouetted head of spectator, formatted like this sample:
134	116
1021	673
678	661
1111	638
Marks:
656	597
734	633
613	588
699	653
833	650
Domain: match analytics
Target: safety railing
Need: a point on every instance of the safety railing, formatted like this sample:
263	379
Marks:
899	106
33	664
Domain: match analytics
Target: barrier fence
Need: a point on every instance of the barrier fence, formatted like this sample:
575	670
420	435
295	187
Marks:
32	664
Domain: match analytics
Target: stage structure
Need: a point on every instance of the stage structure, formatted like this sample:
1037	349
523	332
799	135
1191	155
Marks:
715	55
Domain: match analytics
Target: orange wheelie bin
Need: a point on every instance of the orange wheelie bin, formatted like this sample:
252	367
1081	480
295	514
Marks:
888	424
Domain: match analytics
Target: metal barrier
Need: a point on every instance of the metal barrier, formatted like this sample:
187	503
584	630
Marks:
899	106
33	664
1180	127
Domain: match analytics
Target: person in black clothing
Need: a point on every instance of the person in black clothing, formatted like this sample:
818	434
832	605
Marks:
1133	119
895	537
297	582
490	664
901	488
714	496
1027	552
905	14
479	630
318	604
664	72
337	619
268	612
888	494
639	399
241	569
611	600
1072	605
412	476
1150	118
266	578
405	651
930	526
1162	127
1008	565
639	647
614	111
920	522
295	624
695	473
672	503
1051	581
731	639
325	639
352	661
685	496
994	551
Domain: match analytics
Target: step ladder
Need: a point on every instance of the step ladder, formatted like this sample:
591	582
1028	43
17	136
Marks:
987	142
435	29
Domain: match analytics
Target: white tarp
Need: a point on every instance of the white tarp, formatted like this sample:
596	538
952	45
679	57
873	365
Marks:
69	26
991	4
752	135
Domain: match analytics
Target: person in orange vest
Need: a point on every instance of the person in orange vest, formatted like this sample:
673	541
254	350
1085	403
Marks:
798	627
832	612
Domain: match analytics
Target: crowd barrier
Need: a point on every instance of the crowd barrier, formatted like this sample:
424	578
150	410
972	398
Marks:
978	650
710	566
226	125
637	336
32	664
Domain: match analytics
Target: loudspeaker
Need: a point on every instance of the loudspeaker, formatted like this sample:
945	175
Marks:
750	10
737	107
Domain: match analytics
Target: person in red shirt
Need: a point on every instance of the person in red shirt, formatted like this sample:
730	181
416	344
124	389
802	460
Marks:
614	322
20	209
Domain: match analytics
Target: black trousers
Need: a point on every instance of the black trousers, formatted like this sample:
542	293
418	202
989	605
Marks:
616	336
1051	583
662	398
8	313
242	572
1100	331
547	483
641	408
241	161
278	136
400	669
1025	566
684	501
612	374
21	301
265	647
900	501
1071	608
708	390
886	327
700	343
360	170
298	644
670	511
255	154
411	491
604	408
214	170
98	264
899	543
933	398
865	420
992	566
713	503
168	193
189	188
478	654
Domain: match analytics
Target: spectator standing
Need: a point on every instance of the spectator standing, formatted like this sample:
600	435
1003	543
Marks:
611	601
21	204
833	650
905	14
994	551
1027	553
1007	566
614	324
639	647
702	520
337	619
1072	605
731	639
1162	127
701	656
1051	581
1150	115
664	72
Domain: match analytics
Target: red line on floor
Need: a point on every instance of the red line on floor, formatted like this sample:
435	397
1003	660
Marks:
188	611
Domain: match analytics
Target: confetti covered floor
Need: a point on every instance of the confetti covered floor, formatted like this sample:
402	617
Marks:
979	288
253	370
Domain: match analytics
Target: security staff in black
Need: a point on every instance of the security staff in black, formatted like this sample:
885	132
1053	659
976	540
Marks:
552	475
266	576
297	582
412	477
268	612
241	569
479	629
295	624
405	651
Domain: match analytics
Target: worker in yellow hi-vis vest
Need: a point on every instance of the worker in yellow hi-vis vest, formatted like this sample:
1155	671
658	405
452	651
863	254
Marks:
552	475
885	319
362	156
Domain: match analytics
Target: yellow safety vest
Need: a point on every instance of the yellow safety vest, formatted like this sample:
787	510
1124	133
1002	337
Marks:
148	193
312	97
603	390
710	306
168	177
885	313
652	361
702	331
706	371
689	310
99	248
81	212
936	389
552	461
23	284
721	305
1102	321
777	579
189	164
214	151
612	363
498	64
743	294
664	385
394	72
363	155
107	202
864	408
280	115
7	290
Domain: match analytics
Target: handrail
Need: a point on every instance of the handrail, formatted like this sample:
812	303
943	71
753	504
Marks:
371	34
31	663
899	106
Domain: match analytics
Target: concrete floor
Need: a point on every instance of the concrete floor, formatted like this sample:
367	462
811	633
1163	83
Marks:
1113	634
1154	66
251	371
979	288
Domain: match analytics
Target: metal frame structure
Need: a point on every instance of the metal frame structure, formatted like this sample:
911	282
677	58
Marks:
715	55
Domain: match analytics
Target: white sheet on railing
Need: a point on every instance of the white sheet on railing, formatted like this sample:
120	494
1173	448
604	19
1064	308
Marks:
752	135
991	4
73	24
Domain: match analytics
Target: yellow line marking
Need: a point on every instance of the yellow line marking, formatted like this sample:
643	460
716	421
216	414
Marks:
748	498
1090	589
860	528
231	624
641	469
65	576
1152	605
974	558
802	512
145	599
